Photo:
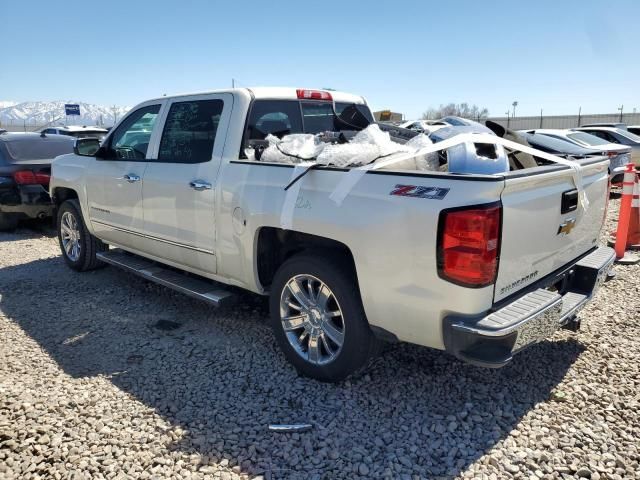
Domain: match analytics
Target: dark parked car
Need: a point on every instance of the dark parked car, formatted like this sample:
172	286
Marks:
25	166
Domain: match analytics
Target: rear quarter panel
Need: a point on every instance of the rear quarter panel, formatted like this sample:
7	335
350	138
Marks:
392	238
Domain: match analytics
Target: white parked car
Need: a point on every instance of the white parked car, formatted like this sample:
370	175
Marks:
618	136
619	155
481	266
635	129
423	126
77	131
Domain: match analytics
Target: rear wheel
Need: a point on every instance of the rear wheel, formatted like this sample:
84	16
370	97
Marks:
78	246
8	222
318	319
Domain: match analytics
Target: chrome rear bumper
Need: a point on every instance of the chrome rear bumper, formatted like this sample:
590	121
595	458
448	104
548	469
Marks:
491	340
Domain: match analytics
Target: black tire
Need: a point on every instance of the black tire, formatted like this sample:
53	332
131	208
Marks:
8	222
359	342
89	245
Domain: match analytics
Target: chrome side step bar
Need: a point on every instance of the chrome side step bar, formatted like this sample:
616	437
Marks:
196	287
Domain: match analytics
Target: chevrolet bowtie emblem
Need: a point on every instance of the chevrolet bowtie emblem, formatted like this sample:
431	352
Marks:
567	226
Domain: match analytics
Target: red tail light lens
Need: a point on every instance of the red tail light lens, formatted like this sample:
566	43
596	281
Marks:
29	177
313	95
468	245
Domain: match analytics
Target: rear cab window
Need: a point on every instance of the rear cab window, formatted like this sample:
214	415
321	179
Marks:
285	117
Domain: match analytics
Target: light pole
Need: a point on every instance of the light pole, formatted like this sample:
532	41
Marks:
515	104
621	107
507	114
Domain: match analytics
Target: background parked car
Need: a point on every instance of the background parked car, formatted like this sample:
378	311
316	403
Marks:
423	126
76	131
579	145
605	124
635	129
619	136
25	167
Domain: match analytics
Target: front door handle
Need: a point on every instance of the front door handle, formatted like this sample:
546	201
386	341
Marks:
131	178
200	185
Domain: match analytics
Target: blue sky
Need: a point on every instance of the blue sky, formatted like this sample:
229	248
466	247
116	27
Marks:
403	55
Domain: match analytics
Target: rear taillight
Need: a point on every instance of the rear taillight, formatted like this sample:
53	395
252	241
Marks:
313	95
611	154
468	245
29	177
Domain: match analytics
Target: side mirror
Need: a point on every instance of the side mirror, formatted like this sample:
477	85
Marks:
87	147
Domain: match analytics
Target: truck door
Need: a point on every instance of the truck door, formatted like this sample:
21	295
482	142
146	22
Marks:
114	183
180	182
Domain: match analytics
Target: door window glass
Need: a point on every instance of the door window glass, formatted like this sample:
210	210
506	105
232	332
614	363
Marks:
190	131
130	141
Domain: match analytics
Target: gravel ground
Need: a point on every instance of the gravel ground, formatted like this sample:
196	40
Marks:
91	387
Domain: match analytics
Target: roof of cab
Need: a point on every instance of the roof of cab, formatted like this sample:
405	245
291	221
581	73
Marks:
276	93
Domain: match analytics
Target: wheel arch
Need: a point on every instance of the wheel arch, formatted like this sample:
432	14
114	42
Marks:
276	245
61	194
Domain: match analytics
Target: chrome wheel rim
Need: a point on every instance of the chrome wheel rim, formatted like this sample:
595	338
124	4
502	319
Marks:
70	236
312	319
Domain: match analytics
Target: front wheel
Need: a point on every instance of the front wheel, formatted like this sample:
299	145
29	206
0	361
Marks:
78	246
318	319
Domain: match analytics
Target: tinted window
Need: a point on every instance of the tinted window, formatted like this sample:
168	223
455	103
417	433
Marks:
130	141
587	138
37	148
317	117
629	135
604	135
454	121
363	109
190	131
276	117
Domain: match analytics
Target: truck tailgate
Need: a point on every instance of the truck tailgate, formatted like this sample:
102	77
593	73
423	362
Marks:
543	225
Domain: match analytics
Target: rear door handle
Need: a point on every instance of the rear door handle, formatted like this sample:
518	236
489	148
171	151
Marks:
200	185
131	178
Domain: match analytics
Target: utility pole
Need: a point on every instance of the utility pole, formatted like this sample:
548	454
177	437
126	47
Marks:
579	115
114	109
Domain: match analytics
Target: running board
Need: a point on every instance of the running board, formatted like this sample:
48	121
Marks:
196	287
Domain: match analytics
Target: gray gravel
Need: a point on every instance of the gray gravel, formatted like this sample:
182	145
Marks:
90	387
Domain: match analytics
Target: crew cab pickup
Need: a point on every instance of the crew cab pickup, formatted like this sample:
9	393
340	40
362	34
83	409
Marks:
480	266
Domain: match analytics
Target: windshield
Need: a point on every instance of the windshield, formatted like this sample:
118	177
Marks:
586	138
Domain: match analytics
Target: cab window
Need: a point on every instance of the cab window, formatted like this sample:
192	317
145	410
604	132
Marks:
190	131
130	141
275	117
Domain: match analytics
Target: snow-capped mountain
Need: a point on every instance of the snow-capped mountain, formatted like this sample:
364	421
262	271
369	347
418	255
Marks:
45	113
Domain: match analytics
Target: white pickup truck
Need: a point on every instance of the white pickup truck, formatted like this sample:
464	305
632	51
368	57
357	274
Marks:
480	266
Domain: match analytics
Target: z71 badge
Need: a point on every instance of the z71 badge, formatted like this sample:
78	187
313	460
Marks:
433	193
